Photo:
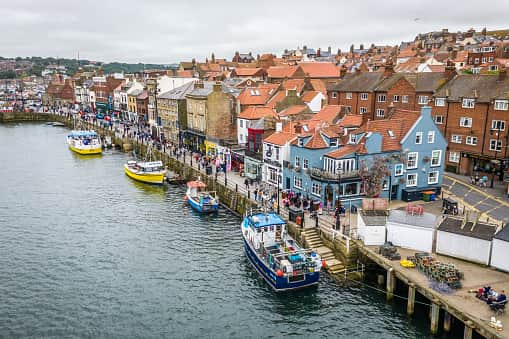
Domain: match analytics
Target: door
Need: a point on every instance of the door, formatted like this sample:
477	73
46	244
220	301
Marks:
394	192
287	186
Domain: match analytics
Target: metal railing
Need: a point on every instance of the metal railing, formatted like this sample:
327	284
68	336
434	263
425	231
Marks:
319	173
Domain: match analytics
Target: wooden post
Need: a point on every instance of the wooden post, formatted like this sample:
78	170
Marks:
380	279
435	313
411	299
469	326
391	283
447	321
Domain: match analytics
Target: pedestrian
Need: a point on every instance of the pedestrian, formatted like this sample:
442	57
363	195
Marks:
255	194
246	182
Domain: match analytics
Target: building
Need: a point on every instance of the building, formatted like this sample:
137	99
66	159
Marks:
142	106
500	250
59	92
172	110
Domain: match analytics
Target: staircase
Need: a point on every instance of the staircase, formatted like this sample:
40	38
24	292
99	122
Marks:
311	239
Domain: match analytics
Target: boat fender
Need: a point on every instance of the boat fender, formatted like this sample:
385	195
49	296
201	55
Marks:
279	273
324	264
185	197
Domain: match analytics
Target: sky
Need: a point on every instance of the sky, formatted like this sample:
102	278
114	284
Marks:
167	31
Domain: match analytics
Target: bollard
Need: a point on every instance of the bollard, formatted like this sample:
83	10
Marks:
469	326
391	283
435	314
236	187
411	299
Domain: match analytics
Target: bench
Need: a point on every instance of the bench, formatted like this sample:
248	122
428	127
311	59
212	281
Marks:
498	307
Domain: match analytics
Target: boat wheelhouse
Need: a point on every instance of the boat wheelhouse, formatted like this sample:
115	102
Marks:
84	142
148	172
275	254
200	200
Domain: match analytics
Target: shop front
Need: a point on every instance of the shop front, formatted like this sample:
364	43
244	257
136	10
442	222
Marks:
253	168
193	140
210	148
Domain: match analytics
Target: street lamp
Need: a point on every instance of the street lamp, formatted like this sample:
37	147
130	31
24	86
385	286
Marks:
339	169
225	180
278	181
497	131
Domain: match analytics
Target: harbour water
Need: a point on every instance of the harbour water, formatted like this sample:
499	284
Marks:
87	252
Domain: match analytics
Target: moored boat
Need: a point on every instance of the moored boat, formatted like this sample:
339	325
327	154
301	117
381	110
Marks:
275	255
84	142
200	200
148	172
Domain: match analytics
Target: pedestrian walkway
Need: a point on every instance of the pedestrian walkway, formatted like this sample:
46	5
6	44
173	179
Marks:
491	202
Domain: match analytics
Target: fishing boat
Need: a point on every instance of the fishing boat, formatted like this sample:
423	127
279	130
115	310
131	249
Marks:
84	142
200	200
275	255
151	172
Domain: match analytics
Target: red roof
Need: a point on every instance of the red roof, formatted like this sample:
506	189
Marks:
185	74
319	85
281	71
320	69
280	138
297	84
278	97
292	110
309	96
328	113
247	71
257	95
344	151
316	141
256	112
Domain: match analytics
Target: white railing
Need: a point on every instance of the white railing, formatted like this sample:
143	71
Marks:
337	235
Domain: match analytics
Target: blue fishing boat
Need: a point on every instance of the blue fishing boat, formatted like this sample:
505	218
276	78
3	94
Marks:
200	200
275	254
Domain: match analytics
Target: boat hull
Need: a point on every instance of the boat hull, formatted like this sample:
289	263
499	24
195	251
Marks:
279	284
86	151
148	178
213	208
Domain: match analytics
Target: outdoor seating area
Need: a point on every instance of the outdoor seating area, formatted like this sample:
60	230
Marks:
479	181
496	301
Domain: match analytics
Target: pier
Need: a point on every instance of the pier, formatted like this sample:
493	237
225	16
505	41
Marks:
341	252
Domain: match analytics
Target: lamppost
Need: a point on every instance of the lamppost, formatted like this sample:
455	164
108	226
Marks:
225	180
278	181
497	131
338	201
390	182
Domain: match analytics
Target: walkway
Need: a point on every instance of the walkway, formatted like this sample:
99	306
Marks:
489	201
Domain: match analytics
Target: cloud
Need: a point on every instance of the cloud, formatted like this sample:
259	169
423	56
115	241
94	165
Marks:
165	31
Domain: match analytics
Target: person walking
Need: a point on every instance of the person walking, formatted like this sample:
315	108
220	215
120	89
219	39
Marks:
246	182
255	194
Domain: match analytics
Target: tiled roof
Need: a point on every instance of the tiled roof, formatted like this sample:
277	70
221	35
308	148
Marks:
481	87
280	138
247	71
142	96
344	151
480	231
358	82
316	141
351	120
292	110
319	85
328	113
297	84
281	71
185	74
256	112
320	69
257	95
278	97
309	96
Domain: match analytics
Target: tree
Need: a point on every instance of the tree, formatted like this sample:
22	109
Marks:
374	173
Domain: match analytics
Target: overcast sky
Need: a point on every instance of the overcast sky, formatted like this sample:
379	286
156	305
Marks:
166	31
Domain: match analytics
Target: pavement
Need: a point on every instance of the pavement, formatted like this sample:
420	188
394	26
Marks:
492	203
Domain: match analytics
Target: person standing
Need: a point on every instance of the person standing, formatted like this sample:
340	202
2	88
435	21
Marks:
255	194
246	182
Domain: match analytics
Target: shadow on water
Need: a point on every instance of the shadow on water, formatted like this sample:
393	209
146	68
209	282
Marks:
145	188
82	157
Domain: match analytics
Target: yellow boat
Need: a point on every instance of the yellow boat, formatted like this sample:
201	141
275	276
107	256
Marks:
147	172
84	142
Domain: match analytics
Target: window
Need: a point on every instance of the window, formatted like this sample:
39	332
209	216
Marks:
495	145
380	112
351	188
440	102
471	140
490	59
334	95
273	176
465	122
476	60
297	161
467	103
418	138
276	150
333	142
423	99
305	164
457	139
431	137
364	96
501	105
348	95
404	99
297	182
363	110
411	179
436	158
454	156
395	98
348	108
439	119
433	177
241	137
381	98
483	60
398	170
316	189
241	123
498	125
411	161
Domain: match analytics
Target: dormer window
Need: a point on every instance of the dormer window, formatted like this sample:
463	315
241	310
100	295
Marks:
391	133
352	138
333	142
301	142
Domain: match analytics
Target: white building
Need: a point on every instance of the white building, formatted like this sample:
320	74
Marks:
411	231
314	100
500	250
465	238
276	151
371	227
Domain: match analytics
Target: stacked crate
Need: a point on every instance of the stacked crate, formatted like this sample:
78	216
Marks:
441	272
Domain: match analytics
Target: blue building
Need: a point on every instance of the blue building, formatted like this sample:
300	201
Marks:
328	164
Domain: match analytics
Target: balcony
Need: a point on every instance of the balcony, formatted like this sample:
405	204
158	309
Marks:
272	162
320	174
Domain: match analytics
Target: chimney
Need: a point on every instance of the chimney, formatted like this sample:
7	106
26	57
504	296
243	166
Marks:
213	58
193	61
198	84
297	128
329	49
342	71
388	68
217	87
318	52
502	73
450	70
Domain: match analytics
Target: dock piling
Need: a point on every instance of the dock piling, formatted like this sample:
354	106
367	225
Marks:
391	283
411	299
435	313
469	326
381	279
447	321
